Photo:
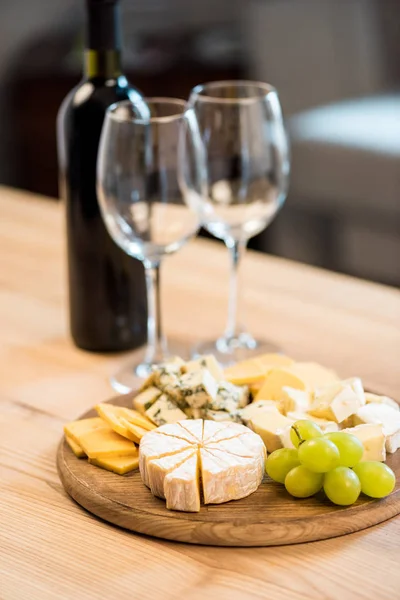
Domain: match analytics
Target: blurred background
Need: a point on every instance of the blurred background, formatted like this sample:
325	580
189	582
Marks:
336	64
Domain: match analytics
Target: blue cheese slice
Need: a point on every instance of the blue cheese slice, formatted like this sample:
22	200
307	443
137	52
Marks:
164	411
145	399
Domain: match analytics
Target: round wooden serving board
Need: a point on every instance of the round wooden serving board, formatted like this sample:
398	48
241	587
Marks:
269	517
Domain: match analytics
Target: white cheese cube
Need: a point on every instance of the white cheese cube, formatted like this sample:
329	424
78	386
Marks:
270	426
373	440
386	416
164	411
374	398
338	401
255	408
294	400
325	425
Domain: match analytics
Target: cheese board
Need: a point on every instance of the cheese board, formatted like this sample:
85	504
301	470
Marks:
267	517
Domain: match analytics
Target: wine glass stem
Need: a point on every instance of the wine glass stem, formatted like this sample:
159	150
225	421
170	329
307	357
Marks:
236	251
156	342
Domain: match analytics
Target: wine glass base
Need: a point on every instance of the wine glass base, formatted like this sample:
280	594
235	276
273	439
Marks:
131	375
231	350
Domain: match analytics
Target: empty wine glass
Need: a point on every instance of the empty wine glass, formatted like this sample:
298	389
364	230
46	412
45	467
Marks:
245	157
141	201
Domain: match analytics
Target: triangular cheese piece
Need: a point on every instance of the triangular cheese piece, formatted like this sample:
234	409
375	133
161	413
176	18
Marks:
182	486
158	468
156	445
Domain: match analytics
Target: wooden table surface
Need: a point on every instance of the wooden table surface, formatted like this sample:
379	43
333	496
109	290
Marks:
49	546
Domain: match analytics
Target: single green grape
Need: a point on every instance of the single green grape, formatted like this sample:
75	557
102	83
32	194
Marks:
280	462
303	430
319	455
342	486
377	479
350	448
300	482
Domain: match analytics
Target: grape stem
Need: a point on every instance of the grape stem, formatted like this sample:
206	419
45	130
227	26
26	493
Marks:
295	429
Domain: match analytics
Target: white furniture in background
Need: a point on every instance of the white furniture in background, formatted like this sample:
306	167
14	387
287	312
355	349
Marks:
327	59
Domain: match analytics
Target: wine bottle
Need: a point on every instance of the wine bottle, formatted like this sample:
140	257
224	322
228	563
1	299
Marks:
107	292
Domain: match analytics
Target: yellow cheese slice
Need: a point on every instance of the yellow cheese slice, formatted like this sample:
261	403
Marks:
117	464
273	360
245	372
113	417
127	422
135	432
313	374
75	429
76	449
276	380
134	417
105	443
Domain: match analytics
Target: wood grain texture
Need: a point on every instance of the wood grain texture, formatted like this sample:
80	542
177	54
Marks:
49	547
268	517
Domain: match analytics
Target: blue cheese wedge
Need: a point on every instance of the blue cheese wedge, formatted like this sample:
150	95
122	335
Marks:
388	417
164	411
145	399
195	389
205	362
228	392
338	401
373	440
222	415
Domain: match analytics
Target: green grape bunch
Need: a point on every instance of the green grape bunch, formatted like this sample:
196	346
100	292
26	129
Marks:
331	462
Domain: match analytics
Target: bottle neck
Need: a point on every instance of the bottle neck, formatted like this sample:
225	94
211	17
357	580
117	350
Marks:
103	40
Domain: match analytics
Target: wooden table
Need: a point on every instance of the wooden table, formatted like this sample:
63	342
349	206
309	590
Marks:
49	546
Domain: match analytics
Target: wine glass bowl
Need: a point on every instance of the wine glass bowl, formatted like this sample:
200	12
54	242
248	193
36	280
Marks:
245	159
141	200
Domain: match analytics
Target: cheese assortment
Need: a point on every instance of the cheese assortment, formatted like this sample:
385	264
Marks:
200	434
188	464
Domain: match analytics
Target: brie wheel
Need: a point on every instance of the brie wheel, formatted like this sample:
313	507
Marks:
219	461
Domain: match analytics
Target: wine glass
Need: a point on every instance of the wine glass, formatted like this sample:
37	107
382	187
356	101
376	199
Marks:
245	155
142	204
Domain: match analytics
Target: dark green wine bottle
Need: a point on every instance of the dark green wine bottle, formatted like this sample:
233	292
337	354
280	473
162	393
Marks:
107	292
